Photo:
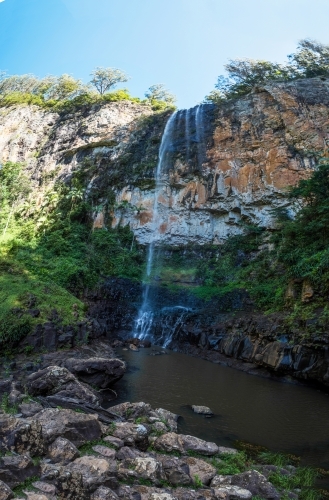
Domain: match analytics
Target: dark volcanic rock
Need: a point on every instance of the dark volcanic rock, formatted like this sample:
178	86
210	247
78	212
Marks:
76	427
58	380
98	372
62	451
5	492
16	469
21	435
95	472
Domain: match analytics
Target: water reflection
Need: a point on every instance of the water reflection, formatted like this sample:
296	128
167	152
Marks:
282	417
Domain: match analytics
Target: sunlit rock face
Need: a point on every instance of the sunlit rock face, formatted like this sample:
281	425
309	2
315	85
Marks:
226	166
239	165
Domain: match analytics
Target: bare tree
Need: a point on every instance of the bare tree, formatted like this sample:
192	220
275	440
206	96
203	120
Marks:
104	79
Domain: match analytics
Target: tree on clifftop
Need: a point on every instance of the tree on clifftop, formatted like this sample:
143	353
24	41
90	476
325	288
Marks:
158	92
105	79
310	59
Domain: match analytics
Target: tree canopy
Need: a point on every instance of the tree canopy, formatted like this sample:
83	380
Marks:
310	59
104	79
158	92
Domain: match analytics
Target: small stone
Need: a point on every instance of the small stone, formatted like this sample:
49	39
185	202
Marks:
203	410
132	347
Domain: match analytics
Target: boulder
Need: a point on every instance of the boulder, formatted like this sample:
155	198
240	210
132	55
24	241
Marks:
200	470
95	472
21	435
99	372
132	410
76	427
191	443
104	493
16	469
168	417
148	468
29	409
127	453
58	380
68	484
62	451
203	410
132	434
176	470
254	482
5	492
171	441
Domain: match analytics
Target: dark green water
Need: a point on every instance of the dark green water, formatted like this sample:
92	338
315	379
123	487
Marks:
280	416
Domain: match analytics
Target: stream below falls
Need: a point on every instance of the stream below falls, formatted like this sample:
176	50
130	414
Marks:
280	416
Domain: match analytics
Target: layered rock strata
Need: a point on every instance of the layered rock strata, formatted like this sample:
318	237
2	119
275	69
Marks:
228	165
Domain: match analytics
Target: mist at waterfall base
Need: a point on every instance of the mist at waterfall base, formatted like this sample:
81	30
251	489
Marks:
192	148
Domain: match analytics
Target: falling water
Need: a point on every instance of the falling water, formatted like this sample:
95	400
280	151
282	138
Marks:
144	321
170	318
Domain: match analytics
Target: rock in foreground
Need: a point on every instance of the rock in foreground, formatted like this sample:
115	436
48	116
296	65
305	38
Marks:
80	458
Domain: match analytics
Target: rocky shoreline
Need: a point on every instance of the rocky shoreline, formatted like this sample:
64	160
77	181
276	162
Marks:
50	454
57	441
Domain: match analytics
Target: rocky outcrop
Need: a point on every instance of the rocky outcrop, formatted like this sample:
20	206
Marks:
233	164
227	164
98	372
97	471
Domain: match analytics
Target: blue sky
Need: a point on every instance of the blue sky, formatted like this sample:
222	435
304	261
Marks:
182	43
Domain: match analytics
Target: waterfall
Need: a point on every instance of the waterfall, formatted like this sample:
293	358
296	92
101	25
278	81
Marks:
192	129
144	320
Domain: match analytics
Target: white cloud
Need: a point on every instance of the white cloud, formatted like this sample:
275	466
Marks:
2	1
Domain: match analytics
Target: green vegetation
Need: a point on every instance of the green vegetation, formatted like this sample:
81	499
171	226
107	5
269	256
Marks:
25	486
87	448
266	265
49	255
65	94
311	59
6	407
197	481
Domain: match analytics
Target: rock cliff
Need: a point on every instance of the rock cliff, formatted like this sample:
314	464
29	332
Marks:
228	165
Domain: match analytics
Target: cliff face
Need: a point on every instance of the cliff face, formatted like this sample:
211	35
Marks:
227	165
234	163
